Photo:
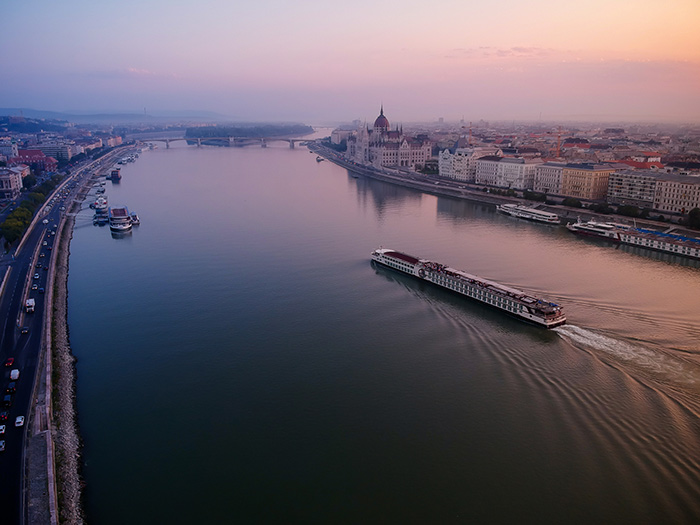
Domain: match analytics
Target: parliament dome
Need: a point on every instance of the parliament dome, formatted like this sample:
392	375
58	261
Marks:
382	122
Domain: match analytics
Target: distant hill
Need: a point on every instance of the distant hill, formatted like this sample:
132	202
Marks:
121	118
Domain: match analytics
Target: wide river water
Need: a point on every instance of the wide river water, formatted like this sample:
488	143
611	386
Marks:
240	360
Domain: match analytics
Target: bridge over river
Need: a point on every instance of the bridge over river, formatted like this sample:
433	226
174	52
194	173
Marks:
228	141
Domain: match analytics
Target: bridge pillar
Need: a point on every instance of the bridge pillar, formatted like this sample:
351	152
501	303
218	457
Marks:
167	144
291	144
231	141
199	143
263	143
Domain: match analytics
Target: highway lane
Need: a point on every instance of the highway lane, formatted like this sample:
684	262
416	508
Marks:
24	348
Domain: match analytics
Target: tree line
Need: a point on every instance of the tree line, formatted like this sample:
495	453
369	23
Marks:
19	219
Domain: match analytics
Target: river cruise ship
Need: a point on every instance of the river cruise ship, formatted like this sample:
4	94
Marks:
531	214
651	239
511	300
119	219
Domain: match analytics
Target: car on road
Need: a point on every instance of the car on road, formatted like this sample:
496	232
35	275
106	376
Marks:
35	286
19	421
2	429
2	446
36	276
44	243
9	361
7	400
41	290
11	388
25	330
4	415
42	254
45	221
14	374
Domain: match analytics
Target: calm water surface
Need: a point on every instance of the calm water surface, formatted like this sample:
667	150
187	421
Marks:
240	359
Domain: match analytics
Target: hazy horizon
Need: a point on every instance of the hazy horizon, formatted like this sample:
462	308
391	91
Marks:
613	61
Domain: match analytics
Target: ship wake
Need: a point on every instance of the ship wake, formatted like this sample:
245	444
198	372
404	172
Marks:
651	361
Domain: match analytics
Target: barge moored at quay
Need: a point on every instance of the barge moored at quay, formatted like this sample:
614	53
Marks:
642	237
119	219
511	300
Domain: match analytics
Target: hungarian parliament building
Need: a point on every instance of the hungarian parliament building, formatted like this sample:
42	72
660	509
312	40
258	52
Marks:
383	147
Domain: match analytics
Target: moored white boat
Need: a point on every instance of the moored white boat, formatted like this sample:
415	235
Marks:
531	214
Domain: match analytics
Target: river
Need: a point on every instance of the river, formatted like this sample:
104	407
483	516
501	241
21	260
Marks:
240	359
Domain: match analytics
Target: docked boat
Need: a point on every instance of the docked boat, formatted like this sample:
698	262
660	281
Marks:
511	300
605	230
115	174
119	219
100	205
135	219
530	214
643	237
319	158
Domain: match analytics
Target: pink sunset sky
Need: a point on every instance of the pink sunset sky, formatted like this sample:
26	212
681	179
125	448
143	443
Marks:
324	61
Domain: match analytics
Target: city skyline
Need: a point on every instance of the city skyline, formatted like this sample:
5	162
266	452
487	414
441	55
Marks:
602	61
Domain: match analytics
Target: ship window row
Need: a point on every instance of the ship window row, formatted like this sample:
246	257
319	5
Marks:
479	294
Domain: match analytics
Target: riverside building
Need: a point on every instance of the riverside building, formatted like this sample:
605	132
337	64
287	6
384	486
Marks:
383	147
586	181
548	178
506	172
461	165
633	187
677	193
11	181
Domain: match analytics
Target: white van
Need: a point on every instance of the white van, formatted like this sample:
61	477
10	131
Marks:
14	375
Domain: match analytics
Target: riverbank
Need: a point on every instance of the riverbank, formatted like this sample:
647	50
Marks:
65	422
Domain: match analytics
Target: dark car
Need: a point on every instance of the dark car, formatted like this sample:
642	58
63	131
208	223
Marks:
10	361
7	400
41	290
25	330
11	388
4	415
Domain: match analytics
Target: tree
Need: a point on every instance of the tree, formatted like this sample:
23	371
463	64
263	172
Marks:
29	181
571	202
694	218
601	208
629	211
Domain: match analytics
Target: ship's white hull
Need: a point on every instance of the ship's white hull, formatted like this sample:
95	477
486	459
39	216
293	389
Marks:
530	214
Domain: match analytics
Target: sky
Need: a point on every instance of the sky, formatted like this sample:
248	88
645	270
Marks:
323	61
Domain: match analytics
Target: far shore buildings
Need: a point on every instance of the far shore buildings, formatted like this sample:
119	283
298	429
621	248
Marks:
383	147
11	181
34	158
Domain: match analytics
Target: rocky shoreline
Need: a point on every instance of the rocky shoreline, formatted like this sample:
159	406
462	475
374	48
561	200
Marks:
66	436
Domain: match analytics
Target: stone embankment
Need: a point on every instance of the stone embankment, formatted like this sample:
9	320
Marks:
65	422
